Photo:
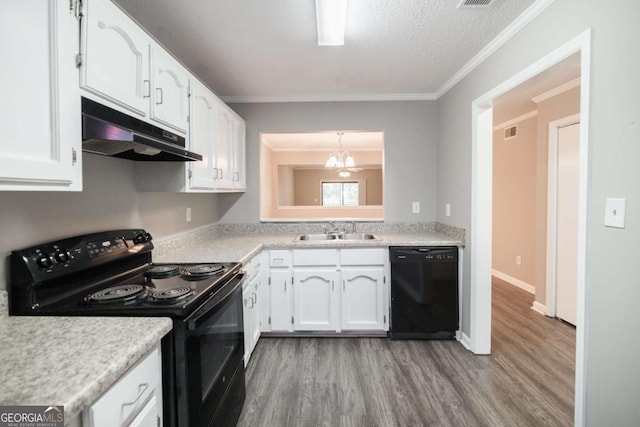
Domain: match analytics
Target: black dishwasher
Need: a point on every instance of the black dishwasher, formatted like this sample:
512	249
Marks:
424	292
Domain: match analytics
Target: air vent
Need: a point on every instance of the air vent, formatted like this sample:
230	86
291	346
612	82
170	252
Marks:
510	132
464	4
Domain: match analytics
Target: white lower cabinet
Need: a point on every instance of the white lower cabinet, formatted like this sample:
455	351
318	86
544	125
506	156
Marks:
251	308
316	299
363	299
134	400
327	290
281	317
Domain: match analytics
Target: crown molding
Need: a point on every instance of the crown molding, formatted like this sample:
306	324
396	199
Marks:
521	21
332	98
556	90
515	120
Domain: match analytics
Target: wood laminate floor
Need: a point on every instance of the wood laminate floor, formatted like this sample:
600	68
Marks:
528	379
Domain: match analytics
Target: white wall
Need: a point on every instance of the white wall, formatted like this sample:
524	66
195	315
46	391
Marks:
410	156
109	201
613	283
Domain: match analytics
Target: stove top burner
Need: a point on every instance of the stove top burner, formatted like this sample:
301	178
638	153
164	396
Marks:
163	271
117	294
171	295
201	271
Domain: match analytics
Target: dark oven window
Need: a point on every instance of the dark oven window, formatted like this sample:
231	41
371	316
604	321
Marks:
220	338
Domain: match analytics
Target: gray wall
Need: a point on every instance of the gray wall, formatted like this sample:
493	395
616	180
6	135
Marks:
109	201
613	283
410	151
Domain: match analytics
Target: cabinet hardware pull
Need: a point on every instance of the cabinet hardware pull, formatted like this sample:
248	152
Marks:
332	286
344	285
144	386
285	286
221	173
147	86
254	297
215	175
159	90
236	176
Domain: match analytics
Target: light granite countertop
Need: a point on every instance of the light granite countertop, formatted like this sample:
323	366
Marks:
70	361
241	247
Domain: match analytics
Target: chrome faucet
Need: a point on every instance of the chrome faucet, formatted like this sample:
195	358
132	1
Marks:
353	227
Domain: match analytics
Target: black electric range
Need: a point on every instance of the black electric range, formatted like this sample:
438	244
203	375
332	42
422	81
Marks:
112	274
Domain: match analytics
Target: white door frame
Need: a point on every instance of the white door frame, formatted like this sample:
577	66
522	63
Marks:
481	209
552	209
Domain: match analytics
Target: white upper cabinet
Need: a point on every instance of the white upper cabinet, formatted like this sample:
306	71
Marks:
40	112
202	137
170	80
116	57
223	146
239	155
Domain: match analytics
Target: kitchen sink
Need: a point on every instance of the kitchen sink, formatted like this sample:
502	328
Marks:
316	237
357	236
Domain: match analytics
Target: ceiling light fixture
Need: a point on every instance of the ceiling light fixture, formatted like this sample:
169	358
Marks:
331	20
340	158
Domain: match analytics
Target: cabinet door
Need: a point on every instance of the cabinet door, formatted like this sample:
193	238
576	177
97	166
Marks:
170	103
281	314
247	314
363	299
255	328
202	136
223	143
239	154
116	57
316	300
40	114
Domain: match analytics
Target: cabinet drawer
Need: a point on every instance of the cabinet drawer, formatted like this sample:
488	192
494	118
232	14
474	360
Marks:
303	257
122	402
369	256
252	268
279	258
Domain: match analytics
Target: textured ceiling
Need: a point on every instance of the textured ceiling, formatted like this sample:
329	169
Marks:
267	49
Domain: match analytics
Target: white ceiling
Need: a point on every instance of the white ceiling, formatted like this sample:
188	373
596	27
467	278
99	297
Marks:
258	50
314	141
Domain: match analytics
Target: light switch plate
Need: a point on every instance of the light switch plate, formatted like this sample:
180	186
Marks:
614	212
415	207
188	214
447	209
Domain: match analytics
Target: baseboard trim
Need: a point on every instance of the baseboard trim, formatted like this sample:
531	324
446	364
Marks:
465	341
513	281
540	308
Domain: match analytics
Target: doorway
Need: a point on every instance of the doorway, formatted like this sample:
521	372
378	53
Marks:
481	191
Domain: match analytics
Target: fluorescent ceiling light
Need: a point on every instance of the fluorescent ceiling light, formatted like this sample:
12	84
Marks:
331	20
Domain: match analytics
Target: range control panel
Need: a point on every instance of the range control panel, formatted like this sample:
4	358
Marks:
65	256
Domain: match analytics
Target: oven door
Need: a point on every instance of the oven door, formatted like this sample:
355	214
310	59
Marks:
215	346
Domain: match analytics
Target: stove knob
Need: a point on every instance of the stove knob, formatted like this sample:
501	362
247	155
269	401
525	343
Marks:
44	261
139	239
62	256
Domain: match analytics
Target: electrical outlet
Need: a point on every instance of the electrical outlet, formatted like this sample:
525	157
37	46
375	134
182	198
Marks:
447	209
415	207
518	260
188	214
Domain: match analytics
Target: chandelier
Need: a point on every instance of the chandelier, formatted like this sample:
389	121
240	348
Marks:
341	159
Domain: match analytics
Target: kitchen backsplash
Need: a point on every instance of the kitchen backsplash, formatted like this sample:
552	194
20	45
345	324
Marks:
169	244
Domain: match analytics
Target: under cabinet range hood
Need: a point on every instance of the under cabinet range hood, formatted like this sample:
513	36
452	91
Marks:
111	133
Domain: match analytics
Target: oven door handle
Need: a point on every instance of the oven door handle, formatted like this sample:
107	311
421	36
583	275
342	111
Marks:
206	310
